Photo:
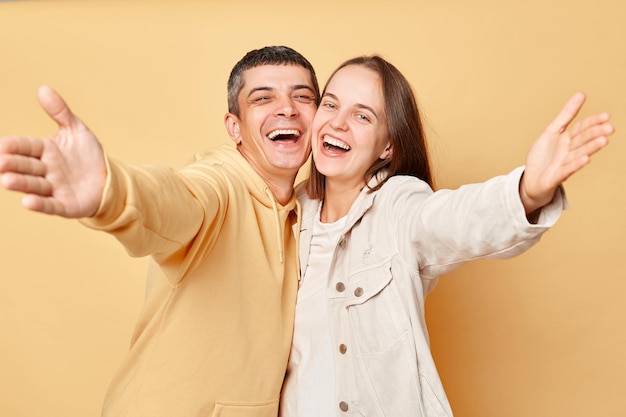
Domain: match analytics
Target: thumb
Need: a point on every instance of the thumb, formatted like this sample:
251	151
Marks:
55	106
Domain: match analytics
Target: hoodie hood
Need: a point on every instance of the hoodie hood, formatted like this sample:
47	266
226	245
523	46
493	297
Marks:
258	189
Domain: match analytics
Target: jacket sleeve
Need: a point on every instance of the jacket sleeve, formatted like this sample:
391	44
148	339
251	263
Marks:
151	210
486	220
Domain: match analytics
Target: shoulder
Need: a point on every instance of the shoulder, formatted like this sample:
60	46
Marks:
400	196
222	172
300	190
220	156
403	184
223	163
309	206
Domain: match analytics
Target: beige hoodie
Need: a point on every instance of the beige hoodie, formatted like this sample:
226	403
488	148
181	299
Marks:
214	335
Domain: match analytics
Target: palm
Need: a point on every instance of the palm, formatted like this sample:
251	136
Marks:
74	164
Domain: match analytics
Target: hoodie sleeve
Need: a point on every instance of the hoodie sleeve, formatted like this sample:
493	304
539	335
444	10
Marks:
151	210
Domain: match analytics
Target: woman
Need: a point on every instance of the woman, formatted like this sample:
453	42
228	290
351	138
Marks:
375	238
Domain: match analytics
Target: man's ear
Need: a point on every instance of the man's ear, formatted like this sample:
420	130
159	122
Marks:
232	124
388	152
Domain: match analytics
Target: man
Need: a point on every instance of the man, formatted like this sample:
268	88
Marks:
215	331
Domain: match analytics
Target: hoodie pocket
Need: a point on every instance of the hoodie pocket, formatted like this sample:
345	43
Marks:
260	409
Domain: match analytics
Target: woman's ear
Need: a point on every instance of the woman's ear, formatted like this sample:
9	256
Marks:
232	127
388	152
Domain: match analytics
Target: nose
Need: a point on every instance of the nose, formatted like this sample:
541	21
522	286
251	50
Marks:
339	121
286	108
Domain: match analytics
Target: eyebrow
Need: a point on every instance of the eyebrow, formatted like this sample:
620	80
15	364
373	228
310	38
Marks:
254	90
359	105
270	89
302	87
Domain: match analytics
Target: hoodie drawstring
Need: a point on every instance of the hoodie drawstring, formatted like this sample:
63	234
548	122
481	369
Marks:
279	229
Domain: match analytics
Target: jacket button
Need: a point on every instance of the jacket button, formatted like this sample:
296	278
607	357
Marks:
340	287
358	292
343	348
343	406
342	241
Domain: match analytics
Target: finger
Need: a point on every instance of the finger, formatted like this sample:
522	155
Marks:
41	204
22	165
15	145
28	184
591	133
573	166
582	156
589	148
588	122
567	114
55	106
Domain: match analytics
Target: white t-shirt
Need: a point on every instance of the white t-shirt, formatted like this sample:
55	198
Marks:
309	387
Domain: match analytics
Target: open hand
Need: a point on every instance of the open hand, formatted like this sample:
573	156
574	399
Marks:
64	174
560	152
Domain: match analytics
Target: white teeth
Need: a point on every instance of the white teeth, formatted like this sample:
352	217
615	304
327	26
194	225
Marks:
337	143
275	133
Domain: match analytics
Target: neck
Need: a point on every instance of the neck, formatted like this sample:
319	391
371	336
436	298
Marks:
282	190
338	199
280	185
280	181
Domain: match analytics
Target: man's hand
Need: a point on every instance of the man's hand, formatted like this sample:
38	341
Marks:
560	152
64	174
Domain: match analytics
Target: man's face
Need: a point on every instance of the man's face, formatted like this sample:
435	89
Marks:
277	105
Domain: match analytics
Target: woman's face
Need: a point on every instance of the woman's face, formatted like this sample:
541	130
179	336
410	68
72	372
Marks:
349	128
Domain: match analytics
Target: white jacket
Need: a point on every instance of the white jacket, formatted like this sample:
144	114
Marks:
396	242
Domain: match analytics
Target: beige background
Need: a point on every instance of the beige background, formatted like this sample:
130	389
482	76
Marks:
540	335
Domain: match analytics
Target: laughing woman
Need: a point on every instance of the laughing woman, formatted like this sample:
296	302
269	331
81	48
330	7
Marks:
375	238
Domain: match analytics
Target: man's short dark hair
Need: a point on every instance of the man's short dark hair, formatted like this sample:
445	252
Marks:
269	55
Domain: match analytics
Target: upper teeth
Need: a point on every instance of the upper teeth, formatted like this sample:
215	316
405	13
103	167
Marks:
337	143
275	133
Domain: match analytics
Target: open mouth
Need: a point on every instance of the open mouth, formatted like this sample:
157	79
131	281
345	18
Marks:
332	144
283	134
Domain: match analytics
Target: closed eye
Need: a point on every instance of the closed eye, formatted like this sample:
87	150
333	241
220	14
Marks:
303	98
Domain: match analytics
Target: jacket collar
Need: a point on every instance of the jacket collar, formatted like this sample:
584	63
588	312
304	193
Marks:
361	205
310	209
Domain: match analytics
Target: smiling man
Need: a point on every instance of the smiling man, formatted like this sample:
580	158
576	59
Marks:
270	120
215	332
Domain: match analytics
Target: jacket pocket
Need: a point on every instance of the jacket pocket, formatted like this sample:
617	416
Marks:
374	309
259	409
